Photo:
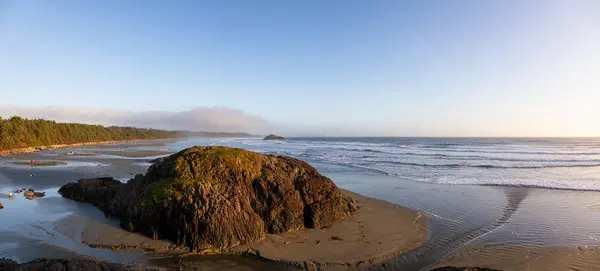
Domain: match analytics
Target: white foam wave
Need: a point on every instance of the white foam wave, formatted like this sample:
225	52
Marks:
586	185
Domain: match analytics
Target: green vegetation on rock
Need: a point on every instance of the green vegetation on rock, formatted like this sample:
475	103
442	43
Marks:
164	190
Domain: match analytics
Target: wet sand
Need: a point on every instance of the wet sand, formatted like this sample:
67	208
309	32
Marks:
521	258
378	231
98	144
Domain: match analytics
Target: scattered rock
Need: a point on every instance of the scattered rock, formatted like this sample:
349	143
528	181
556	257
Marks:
335	238
219	197
31	194
69	264
274	137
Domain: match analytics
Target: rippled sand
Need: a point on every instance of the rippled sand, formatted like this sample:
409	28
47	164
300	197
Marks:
521	258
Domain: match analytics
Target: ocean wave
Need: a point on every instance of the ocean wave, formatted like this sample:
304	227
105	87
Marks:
486	158
344	160
550	184
480	158
515	152
490	166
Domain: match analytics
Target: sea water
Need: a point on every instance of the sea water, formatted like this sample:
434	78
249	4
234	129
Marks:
529	162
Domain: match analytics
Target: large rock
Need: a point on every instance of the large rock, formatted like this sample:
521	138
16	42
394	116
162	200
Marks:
274	137
219	197
97	191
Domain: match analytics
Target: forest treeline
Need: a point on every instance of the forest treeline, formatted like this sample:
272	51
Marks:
17	132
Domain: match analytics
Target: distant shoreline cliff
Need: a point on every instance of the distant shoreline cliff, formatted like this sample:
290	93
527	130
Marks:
18	135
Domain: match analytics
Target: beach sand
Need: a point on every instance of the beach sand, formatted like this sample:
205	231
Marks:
522	258
56	227
378	231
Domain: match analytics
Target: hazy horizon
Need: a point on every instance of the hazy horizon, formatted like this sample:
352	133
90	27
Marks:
338	68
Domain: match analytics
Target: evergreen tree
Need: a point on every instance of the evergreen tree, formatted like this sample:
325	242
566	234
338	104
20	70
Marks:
17	132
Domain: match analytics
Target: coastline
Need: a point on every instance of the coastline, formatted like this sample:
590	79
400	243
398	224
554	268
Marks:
63	146
494	220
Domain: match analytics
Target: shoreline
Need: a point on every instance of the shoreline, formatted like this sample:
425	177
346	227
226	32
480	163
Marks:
63	146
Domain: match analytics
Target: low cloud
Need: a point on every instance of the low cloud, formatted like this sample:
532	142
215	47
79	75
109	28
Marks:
213	119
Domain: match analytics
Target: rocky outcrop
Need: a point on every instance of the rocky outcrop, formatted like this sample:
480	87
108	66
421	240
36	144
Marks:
69	264
97	191
274	137
219	197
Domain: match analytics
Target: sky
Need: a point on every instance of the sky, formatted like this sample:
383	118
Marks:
307	68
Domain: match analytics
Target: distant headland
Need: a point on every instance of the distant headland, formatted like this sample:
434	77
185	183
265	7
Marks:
19	134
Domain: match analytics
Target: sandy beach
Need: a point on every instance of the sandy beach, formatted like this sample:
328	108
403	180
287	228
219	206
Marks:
55	227
378	231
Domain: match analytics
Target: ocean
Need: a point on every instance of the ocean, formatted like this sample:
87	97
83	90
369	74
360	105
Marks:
528	162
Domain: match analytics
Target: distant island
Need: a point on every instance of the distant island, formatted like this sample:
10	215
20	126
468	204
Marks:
17	133
274	137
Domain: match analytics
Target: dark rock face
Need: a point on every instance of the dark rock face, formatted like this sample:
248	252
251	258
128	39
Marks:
8	265
453	268
219	197
68	264
274	137
97	191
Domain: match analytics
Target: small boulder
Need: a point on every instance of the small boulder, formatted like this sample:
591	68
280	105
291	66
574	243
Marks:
1	206
97	191
31	194
274	137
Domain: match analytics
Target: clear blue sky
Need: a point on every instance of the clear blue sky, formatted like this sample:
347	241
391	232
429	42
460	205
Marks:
448	68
